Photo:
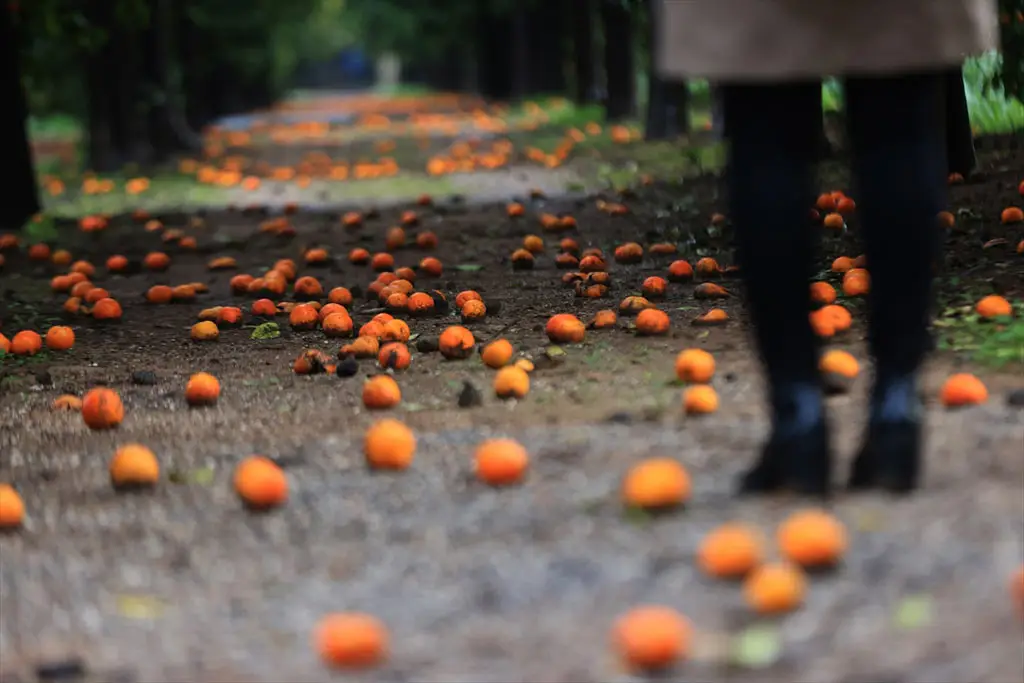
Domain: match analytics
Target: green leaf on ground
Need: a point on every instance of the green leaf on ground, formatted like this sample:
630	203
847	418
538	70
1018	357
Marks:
757	647
469	267
139	606
266	331
42	230
913	611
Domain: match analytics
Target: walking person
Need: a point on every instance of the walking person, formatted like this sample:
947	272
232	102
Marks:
769	58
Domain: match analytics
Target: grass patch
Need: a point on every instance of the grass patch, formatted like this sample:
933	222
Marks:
166	192
997	343
403	186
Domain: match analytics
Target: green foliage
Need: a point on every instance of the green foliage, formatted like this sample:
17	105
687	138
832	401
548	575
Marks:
991	110
265	39
1010	77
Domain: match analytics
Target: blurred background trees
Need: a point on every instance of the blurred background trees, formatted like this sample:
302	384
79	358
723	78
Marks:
137	80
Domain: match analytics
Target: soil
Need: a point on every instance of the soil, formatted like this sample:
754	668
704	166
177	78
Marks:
475	584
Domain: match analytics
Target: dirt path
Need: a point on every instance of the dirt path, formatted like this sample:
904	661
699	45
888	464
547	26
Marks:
475	584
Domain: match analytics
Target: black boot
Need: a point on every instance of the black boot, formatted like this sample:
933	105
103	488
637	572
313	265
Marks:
898	132
796	457
890	457
774	132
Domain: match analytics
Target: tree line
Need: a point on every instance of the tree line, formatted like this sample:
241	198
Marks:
145	76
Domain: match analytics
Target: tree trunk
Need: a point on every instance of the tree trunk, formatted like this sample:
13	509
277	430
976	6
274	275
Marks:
494	50
168	131
545	32
660	120
959	138
583	50
21	191
520	54
104	150
618	60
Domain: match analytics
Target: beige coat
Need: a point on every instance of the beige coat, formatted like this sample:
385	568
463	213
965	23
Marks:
754	40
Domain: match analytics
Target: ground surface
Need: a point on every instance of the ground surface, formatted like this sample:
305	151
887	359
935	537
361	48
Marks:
478	584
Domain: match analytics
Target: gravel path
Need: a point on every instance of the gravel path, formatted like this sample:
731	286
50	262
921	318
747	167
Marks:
517	584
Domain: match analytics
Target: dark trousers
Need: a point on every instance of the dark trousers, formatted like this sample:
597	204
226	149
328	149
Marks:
897	138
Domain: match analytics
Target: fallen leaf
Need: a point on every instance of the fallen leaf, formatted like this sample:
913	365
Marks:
757	647
469	267
913	612
139	606
266	331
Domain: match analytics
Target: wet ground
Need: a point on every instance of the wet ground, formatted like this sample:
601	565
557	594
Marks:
475	584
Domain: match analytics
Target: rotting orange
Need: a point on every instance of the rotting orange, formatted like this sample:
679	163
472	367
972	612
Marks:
389	444
303	317
60	338
351	641
700	399
707	267
381	392
260	483
963	389
839	362
500	462
456	342
730	551
522	260
565	328
711	318
822	293
695	365
813	539
629	253
202	389
775	588
67	403
1012	215
656	483
361	347
680	271
652	322
205	331
468	295
102	408
340	295
993	306
106	310
511	382
654	287
394	356
12	508
134	465
651	637
431	267
473	311
26	343
497	354
604	319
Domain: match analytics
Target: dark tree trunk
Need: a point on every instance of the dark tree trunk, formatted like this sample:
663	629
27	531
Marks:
959	139
679	97
494	54
168	132
22	194
545	30
660	121
520	54
105	138
583	50
130	96
618	60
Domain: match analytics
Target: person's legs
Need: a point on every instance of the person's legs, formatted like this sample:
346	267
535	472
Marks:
897	129
773	133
